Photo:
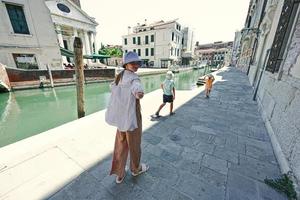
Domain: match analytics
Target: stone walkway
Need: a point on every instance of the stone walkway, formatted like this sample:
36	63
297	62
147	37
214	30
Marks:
214	149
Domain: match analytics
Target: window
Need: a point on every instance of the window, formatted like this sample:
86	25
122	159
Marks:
164	63
152	38
17	19
66	47
134	40
126	51
152	51
147	39
139	52
134	50
283	32
172	36
171	51
25	61
177	52
63	8
139	41
125	41
146	52
182	41
65	44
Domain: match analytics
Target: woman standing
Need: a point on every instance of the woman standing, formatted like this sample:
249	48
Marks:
124	112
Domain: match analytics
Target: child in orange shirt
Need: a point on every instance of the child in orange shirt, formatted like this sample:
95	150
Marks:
209	79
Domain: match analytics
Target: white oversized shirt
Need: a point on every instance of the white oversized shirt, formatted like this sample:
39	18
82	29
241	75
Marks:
121	111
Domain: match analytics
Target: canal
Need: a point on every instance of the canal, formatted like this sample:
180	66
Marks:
29	112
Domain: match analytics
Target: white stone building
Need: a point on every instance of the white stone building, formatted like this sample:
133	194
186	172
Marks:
27	36
34	34
71	21
188	46
274	74
214	53
159	44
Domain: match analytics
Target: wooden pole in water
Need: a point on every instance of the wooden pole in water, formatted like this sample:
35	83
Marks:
50	76
79	76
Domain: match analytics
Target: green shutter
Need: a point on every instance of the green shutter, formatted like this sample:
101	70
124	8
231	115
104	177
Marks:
17	19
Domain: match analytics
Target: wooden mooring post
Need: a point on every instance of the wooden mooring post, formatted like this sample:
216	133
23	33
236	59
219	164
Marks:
79	76
50	76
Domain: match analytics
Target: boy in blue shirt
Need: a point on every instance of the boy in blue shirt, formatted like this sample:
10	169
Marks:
168	87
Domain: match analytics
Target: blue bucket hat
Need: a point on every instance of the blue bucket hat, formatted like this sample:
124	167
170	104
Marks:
131	57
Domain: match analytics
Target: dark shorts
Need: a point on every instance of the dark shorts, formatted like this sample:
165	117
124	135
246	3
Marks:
167	98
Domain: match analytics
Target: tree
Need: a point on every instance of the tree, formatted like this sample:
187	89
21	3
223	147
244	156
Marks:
111	51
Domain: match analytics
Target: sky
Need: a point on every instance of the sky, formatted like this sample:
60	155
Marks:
211	20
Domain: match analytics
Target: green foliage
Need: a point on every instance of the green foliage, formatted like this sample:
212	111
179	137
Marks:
284	185
111	51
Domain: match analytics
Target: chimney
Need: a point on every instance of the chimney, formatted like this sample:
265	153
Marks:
77	2
129	30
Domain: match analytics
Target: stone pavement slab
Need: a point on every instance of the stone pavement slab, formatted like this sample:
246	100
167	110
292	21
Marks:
211	149
215	148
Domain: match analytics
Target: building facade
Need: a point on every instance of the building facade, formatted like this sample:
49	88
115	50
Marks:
27	36
159	44
250	33
214	53
274	73
71	21
34	34
188	47
236	48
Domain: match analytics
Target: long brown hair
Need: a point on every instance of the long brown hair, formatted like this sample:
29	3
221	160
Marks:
119	77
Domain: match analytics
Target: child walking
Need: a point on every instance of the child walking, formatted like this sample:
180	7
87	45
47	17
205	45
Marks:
168	87
209	79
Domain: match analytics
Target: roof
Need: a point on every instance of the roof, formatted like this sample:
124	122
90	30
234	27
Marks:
158	23
54	12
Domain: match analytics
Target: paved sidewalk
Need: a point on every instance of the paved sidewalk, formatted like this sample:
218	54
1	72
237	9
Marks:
214	149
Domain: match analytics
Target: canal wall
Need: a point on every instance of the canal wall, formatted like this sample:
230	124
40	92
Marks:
4	80
26	79
19	75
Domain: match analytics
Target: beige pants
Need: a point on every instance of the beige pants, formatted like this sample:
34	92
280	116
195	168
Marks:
128	142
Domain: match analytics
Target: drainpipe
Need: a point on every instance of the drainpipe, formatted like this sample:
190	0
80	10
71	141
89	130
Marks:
261	74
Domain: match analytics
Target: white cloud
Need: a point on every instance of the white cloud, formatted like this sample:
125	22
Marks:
213	20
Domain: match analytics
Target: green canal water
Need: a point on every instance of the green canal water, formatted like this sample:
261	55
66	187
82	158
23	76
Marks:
30	112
